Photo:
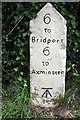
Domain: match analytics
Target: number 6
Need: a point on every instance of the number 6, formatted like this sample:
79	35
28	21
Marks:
47	19
46	51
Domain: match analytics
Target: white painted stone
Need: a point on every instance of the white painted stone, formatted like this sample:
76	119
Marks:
47	56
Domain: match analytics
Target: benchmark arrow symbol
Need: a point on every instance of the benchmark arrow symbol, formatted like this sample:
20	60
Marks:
46	93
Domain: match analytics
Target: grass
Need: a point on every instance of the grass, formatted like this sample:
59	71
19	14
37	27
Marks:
17	104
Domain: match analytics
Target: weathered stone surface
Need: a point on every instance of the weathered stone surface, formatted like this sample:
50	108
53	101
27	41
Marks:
47	56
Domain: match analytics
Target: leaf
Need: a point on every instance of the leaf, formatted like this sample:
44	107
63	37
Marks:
19	78
21	73
68	69
16	69
7	39
22	63
24	34
76	74
18	58
25	85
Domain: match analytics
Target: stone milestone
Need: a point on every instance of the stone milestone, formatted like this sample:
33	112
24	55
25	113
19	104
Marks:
47	56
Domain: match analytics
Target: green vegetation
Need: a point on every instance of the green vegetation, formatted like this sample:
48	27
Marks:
15	40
